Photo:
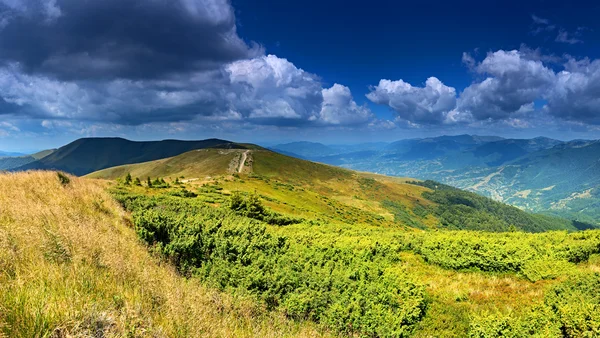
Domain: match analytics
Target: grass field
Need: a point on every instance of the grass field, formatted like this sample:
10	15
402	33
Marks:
253	243
71	265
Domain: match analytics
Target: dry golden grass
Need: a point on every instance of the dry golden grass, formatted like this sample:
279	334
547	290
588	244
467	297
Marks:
71	266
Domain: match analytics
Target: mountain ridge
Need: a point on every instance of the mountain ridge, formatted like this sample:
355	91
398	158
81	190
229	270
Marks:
87	155
520	172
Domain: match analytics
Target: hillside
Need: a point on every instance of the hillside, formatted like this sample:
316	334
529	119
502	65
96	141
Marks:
353	252
290	185
71	265
539	174
8	163
87	155
275	246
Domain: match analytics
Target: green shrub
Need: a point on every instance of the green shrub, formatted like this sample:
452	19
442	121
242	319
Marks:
63	179
539	322
576	305
252	207
535	256
352	292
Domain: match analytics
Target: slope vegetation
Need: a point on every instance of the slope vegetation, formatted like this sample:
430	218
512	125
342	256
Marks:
359	275
71	265
311	189
539	174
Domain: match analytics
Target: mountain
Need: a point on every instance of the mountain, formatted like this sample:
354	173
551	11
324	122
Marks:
563	180
8	163
539	174
87	155
249	242
304	149
10	154
303	184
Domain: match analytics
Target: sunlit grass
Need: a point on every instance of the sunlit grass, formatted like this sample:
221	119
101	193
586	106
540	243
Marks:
71	265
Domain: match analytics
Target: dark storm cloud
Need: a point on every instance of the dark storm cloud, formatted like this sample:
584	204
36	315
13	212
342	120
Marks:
136	39
265	90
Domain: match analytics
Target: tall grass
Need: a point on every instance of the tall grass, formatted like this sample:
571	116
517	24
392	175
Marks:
71	265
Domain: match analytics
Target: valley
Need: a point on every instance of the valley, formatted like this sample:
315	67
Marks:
517	172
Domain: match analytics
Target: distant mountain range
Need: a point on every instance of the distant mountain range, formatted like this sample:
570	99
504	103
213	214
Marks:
539	174
87	155
11	162
10	154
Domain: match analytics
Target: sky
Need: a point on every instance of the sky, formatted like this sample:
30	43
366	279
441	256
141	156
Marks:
279	71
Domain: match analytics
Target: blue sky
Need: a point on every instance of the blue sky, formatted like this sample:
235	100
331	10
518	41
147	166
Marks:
278	71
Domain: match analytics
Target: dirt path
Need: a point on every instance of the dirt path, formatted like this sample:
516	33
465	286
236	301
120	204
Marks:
243	161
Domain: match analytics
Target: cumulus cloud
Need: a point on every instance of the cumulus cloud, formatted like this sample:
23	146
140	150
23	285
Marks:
575	95
273	89
422	105
135	62
134	39
264	90
513	83
339	108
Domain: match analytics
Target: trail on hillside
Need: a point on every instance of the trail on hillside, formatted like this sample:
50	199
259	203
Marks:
243	161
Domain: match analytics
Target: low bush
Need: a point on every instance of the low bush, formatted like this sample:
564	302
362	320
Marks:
534	256
349	291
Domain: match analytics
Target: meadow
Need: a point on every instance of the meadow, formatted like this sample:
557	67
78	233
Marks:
259	255
373	278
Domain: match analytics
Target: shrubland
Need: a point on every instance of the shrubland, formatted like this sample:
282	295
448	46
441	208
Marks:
261	254
375	280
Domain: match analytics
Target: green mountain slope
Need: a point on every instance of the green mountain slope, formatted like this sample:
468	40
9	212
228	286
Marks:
314	190
286	247
363	254
539	174
91	154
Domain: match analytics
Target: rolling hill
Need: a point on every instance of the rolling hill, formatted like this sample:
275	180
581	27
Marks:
292	184
238	240
71	265
87	155
340	247
539	174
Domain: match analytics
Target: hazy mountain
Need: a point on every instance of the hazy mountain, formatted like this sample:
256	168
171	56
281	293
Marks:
10	154
87	155
8	163
540	174
304	149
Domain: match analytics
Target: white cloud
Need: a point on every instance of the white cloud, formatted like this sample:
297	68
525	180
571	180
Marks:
539	20
575	95
265	90
422	105
512	85
339	108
